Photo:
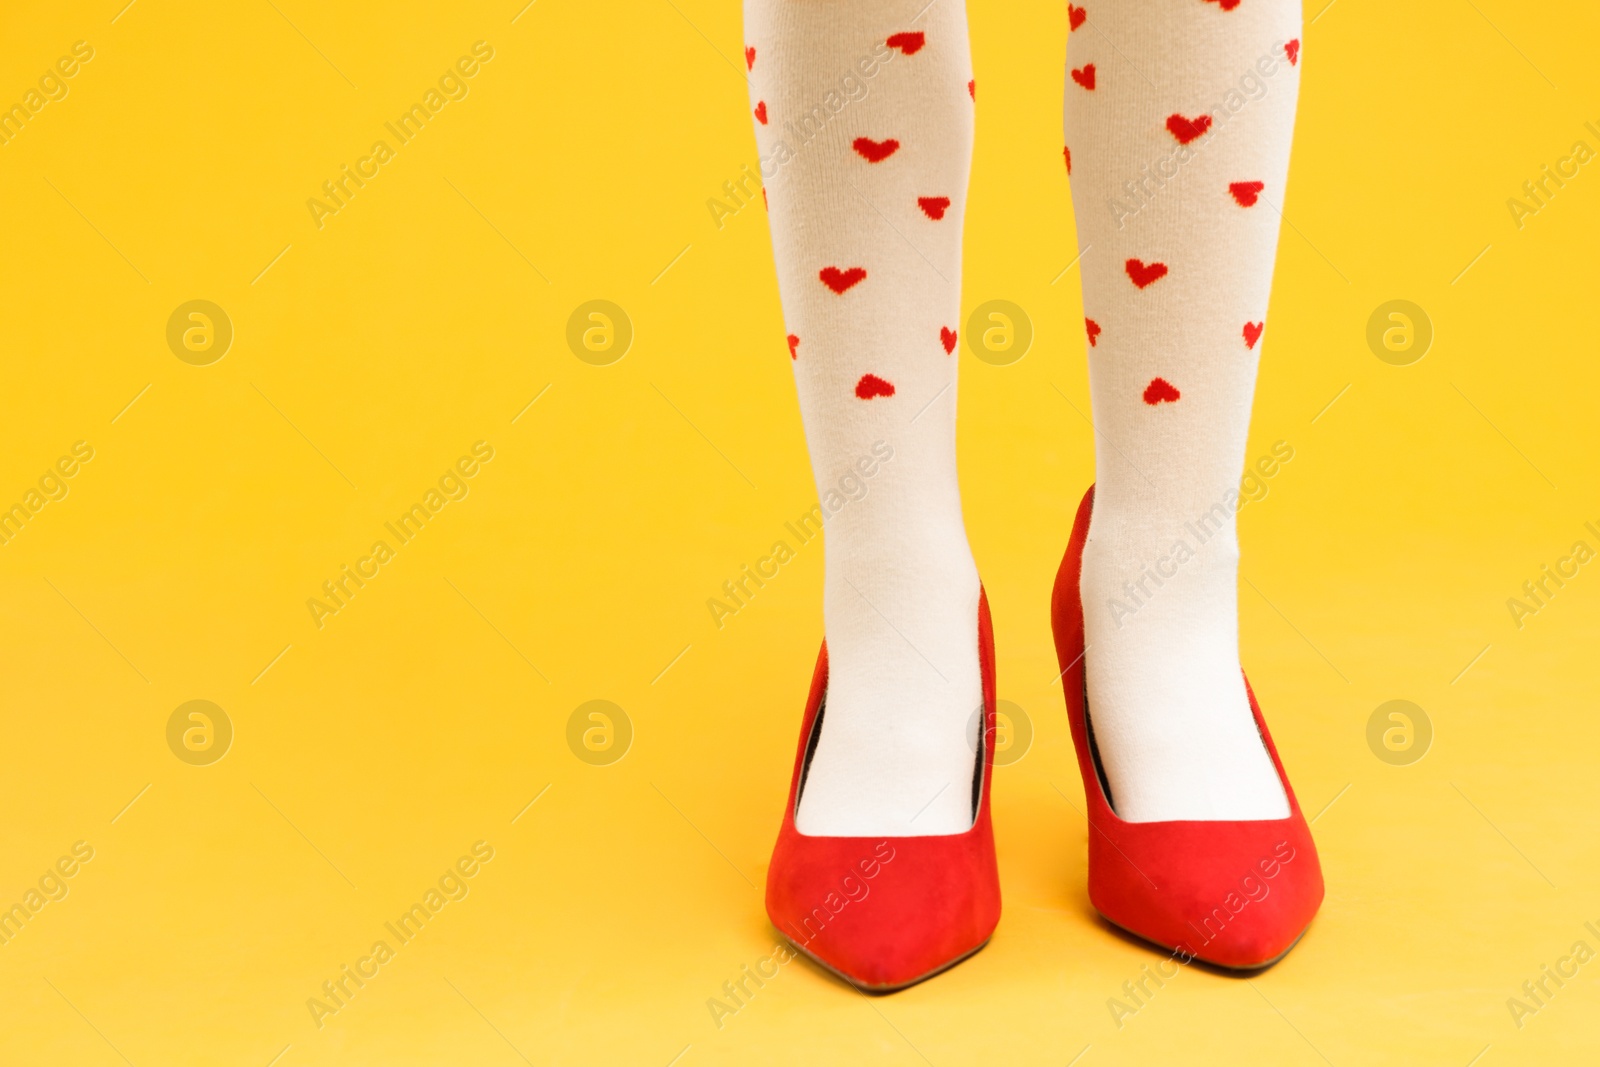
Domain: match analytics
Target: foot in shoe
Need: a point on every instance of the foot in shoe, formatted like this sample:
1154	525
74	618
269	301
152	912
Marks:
1166	697
897	749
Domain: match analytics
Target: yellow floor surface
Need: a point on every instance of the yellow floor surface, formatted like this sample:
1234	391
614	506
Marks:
192	474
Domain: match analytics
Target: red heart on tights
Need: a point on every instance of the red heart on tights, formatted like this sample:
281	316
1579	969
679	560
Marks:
908	43
934	206
1084	76
871	385
1246	192
1159	390
794	343
1292	50
1186	130
875	151
1093	329
948	337
840	280
761	112
1252	333
750	57
1075	17
1143	274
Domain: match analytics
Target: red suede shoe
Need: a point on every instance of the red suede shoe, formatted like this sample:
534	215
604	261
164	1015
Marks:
884	913
1234	894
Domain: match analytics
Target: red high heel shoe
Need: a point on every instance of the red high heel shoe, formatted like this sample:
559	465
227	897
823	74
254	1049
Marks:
1236	894
884	913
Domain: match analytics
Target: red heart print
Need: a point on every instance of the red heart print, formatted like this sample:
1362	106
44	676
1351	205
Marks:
934	206
1084	76
761	112
1075	17
1186	130
1068	153
1159	390
948	337
1292	50
972	89
908	43
1246	192
1093	329
871	385
750	57
875	151
1226	5
794	343
1143	274
840	280
1252	333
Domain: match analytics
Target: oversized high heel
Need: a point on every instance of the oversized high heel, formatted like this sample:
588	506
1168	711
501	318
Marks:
884	913
1236	894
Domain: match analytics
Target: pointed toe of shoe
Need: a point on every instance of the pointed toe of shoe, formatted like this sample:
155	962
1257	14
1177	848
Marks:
885	913
1234	894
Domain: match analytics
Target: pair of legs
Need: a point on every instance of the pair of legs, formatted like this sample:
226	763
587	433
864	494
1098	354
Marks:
1178	119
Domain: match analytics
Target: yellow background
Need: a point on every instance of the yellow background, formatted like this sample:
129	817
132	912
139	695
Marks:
426	315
